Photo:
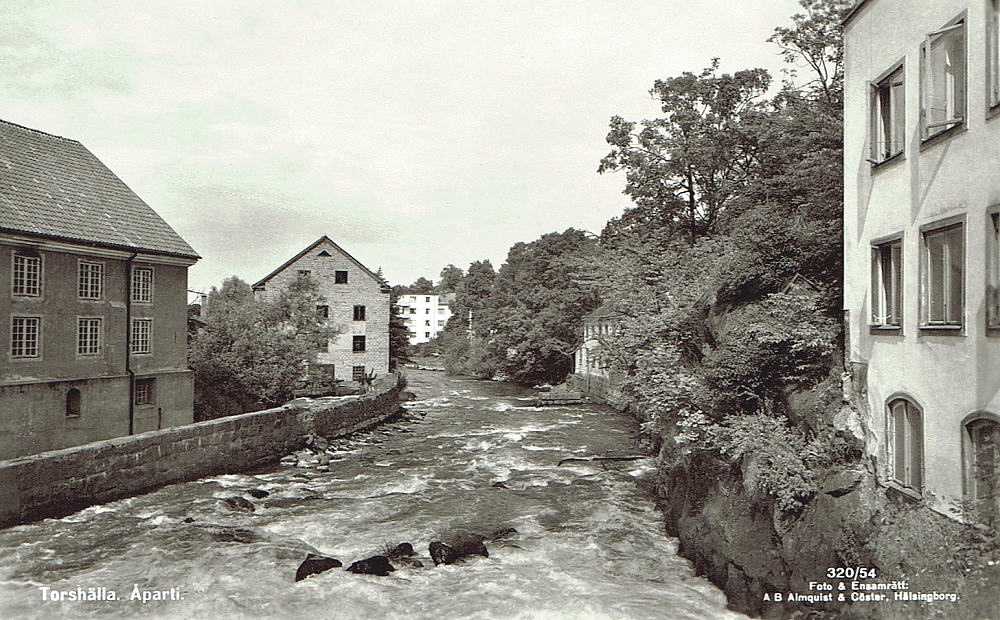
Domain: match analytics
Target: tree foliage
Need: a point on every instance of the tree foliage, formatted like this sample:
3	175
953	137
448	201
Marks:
251	353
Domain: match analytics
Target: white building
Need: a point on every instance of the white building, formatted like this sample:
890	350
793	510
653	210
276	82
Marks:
425	315
922	245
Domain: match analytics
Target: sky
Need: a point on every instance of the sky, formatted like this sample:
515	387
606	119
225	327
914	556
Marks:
414	133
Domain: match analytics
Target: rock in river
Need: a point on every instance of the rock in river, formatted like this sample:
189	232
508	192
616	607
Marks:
462	545
315	564
375	565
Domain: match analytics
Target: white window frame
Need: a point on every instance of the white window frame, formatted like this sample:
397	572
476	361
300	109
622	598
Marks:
26	278
984	510
905	451
887	133
943	57
142	337
949	318
142	285
144	392
90	280
89	336
357	373
23	347
887	283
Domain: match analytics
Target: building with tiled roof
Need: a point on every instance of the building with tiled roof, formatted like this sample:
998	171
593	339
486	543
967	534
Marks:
93	324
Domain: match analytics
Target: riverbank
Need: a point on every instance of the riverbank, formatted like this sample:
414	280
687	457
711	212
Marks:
60	482
776	564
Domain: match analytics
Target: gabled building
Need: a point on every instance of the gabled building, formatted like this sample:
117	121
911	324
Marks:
93	301
357	302
425	315
922	245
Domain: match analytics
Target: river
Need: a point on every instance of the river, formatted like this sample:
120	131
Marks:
589	544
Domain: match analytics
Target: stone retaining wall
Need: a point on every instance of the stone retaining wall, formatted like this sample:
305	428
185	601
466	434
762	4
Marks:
59	482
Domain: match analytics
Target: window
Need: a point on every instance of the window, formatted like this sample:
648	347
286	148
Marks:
982	462
427	310
91	280
144	391
427	323
993	273
905	444
887	122
73	403
359	313
427	334
141	332
943	280
887	284
142	285
25	336
323	311
993	54
88	336
440	310
943	58
358	344
427	300
440	323
357	373
340	277
27	276
413	310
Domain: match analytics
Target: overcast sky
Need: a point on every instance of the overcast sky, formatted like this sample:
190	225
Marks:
414	133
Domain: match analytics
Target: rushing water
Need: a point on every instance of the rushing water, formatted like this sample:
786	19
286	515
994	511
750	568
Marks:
589	544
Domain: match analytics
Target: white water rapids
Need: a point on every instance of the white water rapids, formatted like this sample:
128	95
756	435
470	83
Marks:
589	544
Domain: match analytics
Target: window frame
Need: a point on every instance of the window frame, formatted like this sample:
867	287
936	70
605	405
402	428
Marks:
887	301
926	276
993	59
357	373
993	269
37	319
135	334
340	276
74	403
39	283
148	392
142	290
958	99
887	114
905	459
86	282
358	344
970	488
90	351
359	312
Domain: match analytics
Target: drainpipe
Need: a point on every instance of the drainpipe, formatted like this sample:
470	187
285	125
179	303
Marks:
128	343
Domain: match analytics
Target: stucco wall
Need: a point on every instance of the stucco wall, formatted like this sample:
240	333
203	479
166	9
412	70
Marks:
62	481
947	374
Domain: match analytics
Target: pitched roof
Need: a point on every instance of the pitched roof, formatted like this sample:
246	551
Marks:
311	247
54	187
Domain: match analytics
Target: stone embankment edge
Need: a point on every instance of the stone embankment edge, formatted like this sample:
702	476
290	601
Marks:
59	482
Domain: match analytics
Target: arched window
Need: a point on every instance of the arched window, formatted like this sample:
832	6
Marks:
983	469
73	403
905	444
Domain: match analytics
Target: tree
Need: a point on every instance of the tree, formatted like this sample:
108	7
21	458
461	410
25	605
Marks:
684	169
251	353
451	279
399	336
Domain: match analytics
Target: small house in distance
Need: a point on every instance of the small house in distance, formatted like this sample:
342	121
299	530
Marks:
357	302
93	308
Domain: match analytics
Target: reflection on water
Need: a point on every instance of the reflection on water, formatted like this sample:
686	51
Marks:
588	545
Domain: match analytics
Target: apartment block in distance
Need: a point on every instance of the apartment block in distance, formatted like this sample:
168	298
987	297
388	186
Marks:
357	302
93	302
425	315
922	245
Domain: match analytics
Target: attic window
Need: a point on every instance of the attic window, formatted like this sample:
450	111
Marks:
340	277
324	254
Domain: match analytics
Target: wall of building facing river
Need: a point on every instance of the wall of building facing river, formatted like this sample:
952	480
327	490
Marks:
59	482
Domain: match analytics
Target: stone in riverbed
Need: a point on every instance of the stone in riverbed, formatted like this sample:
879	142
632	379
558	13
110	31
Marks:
402	550
375	565
314	565
258	493
240	503
462	545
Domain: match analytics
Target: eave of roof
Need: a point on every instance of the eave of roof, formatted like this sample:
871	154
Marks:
263	281
850	14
